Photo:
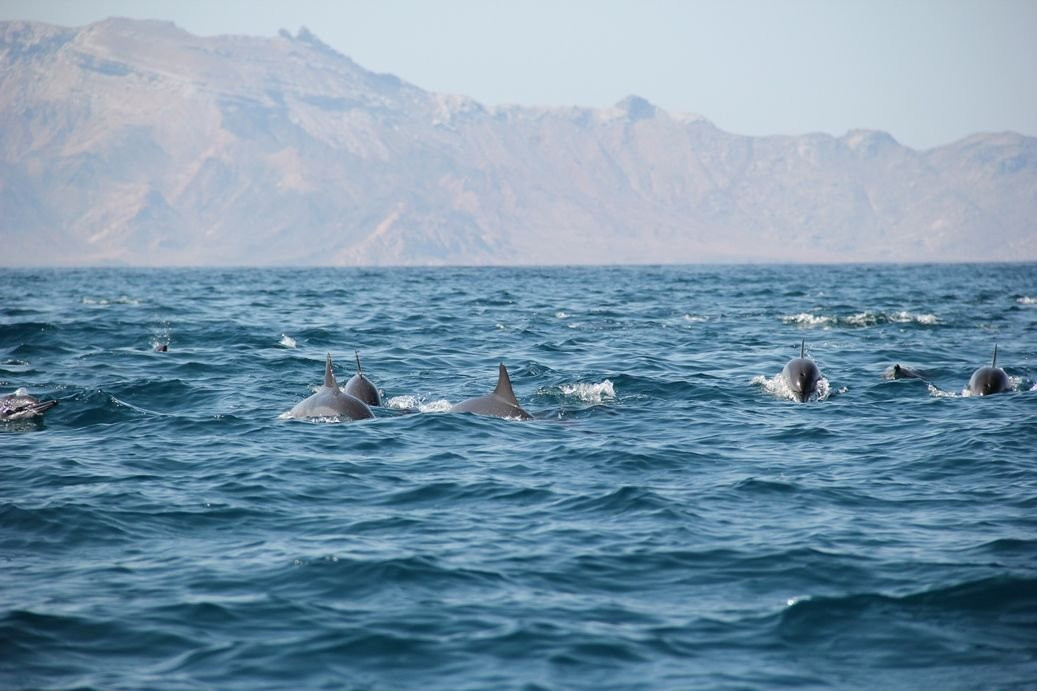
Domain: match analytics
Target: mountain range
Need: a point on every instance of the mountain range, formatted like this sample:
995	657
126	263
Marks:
134	142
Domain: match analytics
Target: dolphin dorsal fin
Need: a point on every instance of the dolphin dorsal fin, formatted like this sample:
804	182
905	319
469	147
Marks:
329	376
803	348
994	363
358	370
503	388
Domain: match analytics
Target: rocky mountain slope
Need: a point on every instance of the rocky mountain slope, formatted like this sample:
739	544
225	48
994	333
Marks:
135	142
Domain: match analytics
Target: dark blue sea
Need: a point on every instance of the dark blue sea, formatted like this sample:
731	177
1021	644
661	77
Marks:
670	519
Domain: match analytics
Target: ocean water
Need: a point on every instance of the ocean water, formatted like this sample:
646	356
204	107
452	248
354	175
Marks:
669	519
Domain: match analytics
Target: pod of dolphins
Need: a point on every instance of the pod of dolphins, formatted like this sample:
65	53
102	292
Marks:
353	401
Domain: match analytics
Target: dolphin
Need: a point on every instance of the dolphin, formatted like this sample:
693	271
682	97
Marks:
21	406
899	371
988	380
330	401
500	403
801	375
361	387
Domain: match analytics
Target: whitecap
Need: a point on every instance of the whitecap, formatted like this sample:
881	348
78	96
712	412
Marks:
419	403
121	300
590	393
561	315
693	318
807	319
901	317
905	317
322	420
1026	300
287	341
863	319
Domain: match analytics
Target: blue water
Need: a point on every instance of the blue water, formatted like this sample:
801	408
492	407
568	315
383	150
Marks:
670	519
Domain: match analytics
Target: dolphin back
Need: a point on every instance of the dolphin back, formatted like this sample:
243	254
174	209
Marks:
501	403
361	387
989	380
801	376
330	401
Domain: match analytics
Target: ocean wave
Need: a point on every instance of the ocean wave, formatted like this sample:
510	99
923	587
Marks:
98	407
61	526
340	574
1004	603
861	319
104	302
15	366
902	317
625	500
807	319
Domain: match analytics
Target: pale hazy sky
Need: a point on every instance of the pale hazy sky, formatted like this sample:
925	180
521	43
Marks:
927	71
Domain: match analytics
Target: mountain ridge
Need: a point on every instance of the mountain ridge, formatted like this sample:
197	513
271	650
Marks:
136	142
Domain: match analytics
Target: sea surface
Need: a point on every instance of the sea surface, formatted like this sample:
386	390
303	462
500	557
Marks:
670	519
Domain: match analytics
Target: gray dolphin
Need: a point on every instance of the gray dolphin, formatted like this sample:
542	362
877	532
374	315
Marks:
801	375
21	406
361	387
989	380
899	371
330	401
500	403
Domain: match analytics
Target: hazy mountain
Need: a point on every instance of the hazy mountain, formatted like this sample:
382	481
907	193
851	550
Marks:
136	142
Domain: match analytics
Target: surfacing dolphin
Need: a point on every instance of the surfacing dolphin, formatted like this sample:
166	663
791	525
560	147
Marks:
21	406
361	387
989	380
801	375
330	401
899	371
500	403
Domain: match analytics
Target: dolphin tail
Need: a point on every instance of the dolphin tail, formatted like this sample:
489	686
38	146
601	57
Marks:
503	388
358	370
803	348
994	363
329	376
